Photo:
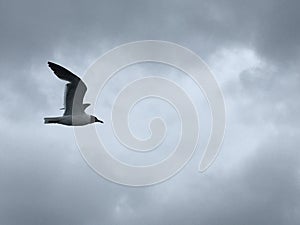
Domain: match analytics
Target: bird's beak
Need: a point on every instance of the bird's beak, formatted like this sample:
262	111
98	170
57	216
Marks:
100	121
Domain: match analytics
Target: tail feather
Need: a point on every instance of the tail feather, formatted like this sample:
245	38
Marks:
51	120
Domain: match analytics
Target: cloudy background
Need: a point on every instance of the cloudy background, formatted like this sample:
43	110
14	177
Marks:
251	46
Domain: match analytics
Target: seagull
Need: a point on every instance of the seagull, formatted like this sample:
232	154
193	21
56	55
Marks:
75	90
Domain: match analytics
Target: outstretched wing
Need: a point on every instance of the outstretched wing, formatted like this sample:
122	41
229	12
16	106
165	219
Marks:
74	92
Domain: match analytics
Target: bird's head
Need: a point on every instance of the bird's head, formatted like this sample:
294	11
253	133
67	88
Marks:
94	119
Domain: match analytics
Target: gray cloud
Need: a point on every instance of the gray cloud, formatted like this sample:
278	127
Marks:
255	180
35	29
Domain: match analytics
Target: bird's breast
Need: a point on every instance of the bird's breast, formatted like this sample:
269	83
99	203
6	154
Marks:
79	120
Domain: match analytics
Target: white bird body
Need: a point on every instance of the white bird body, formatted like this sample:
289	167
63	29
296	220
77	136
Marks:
74	114
71	120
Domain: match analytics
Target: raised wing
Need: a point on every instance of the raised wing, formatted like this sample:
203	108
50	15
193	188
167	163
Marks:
74	92
63	73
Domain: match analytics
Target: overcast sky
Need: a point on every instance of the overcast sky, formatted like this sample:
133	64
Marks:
252	47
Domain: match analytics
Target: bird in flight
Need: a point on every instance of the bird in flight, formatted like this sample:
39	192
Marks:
75	90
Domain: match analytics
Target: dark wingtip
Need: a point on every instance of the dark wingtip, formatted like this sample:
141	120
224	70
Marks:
50	63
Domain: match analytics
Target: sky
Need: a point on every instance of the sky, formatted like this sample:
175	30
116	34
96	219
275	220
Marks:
252	47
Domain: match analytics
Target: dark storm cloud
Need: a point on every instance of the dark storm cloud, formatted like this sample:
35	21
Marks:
277	91
36	28
45	181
